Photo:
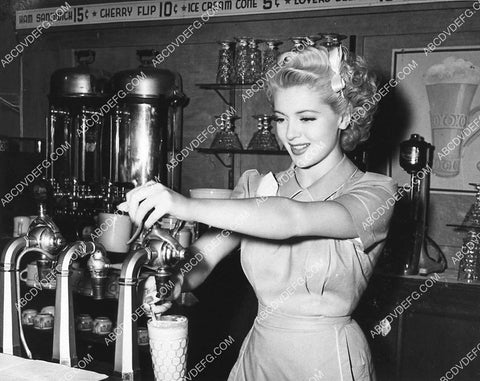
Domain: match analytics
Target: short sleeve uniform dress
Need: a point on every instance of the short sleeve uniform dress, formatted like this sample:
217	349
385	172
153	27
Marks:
307	287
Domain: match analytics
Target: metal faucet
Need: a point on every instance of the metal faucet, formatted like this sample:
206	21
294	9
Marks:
64	344
43	236
156	248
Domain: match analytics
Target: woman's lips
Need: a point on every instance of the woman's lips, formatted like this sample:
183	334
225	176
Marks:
299	149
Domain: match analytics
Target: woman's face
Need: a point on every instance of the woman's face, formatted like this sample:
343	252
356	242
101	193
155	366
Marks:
307	127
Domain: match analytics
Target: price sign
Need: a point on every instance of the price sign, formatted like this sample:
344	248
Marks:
178	9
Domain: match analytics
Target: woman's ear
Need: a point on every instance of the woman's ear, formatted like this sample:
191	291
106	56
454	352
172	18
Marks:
346	118
344	122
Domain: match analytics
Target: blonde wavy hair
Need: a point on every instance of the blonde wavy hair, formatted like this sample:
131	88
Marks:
311	67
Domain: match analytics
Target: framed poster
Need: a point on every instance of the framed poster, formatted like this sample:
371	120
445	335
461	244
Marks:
439	92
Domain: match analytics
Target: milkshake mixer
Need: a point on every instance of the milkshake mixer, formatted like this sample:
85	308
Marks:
416	157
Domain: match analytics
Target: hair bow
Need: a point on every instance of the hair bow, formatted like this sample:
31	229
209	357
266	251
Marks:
335	55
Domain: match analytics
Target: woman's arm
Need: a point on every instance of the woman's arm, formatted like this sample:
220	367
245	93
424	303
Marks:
272	217
204	255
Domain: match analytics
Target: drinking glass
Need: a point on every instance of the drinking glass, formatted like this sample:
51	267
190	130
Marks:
168	338
226	63
472	218
241	60
270	55
329	40
263	139
254	70
226	138
469	267
303	40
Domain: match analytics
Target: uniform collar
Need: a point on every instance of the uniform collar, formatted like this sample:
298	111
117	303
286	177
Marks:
321	189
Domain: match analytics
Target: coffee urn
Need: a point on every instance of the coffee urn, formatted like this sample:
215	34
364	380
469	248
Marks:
75	145
105	137
146	128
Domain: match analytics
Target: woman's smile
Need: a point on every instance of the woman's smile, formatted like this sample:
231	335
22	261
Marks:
299	149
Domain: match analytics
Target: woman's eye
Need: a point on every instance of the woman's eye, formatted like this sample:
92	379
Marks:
307	119
278	119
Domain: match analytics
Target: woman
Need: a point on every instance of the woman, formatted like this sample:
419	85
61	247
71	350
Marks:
308	241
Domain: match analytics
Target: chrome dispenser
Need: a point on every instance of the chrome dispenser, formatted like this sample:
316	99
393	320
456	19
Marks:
43	237
64	343
157	249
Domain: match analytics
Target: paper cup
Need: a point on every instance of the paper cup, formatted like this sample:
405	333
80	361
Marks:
168	339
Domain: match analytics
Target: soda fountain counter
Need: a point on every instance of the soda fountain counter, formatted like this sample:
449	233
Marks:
209	325
415	325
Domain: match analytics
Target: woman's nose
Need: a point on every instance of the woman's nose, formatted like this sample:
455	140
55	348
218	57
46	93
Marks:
292	130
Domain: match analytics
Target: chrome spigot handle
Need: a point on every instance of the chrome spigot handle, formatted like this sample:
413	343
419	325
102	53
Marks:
166	253
44	234
166	250
98	265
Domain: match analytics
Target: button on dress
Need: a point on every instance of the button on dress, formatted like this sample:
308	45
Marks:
307	287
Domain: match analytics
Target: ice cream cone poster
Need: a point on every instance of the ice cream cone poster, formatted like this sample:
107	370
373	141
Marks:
440	99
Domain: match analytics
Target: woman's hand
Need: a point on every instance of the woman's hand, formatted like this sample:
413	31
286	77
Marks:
156	196
150	296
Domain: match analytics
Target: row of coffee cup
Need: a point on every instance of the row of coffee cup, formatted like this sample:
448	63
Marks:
43	320
103	326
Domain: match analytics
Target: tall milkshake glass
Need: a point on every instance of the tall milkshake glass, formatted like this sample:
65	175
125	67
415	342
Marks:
168	346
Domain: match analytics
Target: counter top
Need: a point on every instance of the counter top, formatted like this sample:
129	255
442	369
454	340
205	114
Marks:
449	276
14	368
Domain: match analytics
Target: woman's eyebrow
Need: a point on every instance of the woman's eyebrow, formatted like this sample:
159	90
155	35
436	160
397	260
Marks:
302	111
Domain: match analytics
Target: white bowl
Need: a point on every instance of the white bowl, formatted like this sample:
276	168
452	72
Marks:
210	193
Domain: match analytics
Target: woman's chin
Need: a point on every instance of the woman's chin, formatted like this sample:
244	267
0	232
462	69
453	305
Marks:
303	164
